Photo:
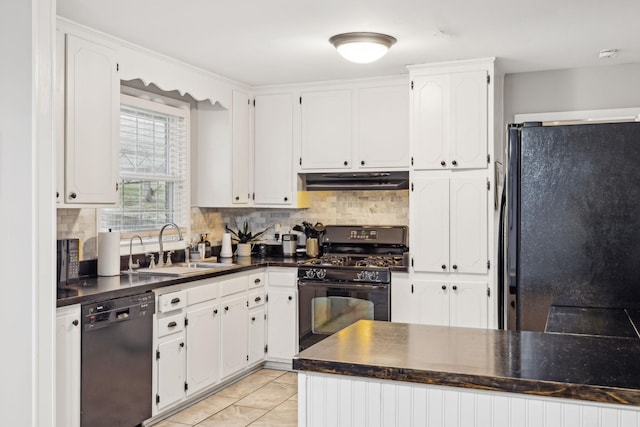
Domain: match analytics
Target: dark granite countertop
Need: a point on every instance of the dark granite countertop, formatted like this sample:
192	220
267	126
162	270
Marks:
592	368
94	289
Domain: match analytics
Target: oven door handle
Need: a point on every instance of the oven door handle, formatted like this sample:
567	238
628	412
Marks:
351	285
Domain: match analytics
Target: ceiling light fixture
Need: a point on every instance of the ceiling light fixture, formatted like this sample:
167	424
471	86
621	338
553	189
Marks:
362	48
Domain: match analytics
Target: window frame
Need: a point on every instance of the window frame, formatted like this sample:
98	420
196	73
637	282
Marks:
137	98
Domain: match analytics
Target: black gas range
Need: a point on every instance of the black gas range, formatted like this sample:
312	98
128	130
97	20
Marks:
351	281
357	254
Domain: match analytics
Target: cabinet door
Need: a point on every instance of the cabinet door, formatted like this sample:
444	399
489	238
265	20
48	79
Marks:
257	338
92	123
273	151
468	137
234	335
429	201
468	305
240	152
170	368
430	122
383	127
326	130
401	298
68	367
431	302
203	335
282	336
468	252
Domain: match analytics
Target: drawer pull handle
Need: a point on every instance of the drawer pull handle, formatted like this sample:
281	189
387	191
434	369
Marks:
175	300
258	299
172	325
256	281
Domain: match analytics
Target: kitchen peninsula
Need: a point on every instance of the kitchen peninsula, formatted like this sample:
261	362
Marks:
403	374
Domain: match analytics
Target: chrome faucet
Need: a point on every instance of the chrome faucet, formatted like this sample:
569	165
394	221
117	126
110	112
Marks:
161	252
131	264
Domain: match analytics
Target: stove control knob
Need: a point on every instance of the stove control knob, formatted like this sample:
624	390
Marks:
362	275
310	274
321	273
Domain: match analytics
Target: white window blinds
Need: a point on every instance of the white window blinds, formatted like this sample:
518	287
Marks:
153	167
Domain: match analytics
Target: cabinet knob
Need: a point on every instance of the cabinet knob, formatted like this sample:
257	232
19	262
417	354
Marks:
237	197
362	162
215	311
443	163
455	288
346	163
444	287
73	195
290	297
181	344
444	266
75	322
454	163
286	199
455	267
253	319
57	194
226	308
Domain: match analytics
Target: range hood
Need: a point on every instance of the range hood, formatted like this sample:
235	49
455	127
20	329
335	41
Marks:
356	181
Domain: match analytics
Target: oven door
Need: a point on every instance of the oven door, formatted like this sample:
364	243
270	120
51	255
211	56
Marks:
326	308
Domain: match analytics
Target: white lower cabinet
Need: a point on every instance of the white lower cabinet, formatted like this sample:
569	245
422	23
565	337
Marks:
68	328
170	358
462	304
234	335
257	335
282	318
206	333
203	337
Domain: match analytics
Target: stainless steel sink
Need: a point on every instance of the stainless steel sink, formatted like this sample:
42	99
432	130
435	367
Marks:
185	269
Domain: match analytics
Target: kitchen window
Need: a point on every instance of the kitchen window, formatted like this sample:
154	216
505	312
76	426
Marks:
154	184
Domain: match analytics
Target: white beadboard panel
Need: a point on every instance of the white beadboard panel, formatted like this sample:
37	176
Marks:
302	395
344	402
335	400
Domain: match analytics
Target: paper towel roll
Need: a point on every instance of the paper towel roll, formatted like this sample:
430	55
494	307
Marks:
109	253
225	251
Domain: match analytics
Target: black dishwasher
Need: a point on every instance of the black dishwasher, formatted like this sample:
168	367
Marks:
117	362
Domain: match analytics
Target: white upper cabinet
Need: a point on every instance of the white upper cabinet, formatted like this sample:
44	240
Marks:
361	127
449	223
450	121
326	130
383	127
92	122
241	153
273	149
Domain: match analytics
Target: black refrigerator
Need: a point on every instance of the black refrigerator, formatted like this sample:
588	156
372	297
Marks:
571	219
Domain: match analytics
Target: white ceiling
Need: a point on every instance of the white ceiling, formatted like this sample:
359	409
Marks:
266	42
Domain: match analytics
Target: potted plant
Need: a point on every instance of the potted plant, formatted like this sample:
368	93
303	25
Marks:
245	238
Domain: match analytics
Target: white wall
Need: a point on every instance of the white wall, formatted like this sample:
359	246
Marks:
606	87
26	363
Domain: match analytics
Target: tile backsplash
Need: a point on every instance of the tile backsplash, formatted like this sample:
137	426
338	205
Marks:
328	207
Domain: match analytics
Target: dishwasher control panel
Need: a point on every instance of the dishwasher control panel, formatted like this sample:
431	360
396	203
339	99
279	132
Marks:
105	313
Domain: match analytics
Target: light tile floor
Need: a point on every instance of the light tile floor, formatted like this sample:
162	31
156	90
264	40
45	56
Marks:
265	398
